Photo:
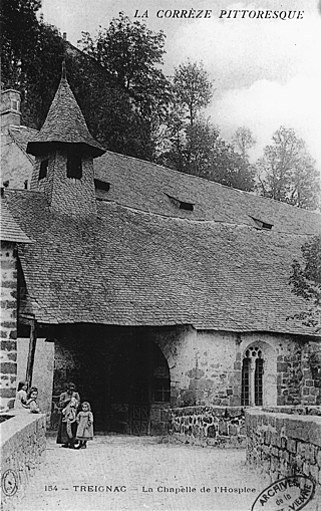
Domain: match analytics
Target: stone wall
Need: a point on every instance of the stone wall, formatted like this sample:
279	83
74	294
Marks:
283	444
299	373
205	367
295	410
215	426
75	197
8	366
23	444
16	165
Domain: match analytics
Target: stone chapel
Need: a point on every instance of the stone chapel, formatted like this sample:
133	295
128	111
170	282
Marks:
147	287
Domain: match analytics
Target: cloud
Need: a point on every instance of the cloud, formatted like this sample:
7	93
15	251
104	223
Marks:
266	105
244	50
267	73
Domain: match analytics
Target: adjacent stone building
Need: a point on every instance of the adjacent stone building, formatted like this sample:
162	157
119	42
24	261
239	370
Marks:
151	288
11	235
16	163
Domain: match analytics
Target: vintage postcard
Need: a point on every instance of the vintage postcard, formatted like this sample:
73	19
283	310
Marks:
160	255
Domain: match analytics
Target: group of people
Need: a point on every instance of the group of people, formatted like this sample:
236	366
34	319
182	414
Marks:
26	399
76	420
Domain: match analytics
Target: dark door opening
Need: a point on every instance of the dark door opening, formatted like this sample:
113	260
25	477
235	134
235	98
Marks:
123	377
139	378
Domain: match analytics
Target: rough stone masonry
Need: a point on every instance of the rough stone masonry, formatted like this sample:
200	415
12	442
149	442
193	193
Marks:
8	325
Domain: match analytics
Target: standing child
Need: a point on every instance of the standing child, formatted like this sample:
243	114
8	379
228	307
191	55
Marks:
85	429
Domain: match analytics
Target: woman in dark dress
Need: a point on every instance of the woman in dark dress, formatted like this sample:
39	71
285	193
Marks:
67	429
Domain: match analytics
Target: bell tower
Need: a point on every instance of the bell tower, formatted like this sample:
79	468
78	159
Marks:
64	151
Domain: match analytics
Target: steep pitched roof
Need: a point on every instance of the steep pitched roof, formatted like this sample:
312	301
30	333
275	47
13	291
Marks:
9	229
21	136
146	186
128	267
65	124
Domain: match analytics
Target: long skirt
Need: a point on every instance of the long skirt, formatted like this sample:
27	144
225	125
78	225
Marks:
62	436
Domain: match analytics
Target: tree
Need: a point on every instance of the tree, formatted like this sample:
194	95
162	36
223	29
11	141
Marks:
129	51
117	83
199	150
305	281
131	56
187	138
191	144
242	141
287	172
192	88
19	35
31	54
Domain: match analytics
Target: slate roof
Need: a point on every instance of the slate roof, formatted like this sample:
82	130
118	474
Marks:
146	186
22	135
9	229
65	124
128	267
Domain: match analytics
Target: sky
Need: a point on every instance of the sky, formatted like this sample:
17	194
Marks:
266	72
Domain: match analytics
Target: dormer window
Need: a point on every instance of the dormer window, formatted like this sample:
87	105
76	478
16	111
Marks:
74	166
187	206
259	224
43	169
102	185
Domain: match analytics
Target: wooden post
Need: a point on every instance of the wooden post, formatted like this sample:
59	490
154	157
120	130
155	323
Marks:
31	353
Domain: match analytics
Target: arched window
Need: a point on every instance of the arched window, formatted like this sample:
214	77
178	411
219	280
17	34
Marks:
258	382
246	382
252	377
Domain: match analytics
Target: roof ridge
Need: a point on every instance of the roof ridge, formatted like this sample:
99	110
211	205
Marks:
211	183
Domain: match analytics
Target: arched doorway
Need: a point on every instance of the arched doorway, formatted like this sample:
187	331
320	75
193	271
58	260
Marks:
139	379
124	376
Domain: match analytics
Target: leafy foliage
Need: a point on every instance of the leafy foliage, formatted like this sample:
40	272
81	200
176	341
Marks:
198	149
130	55
287	172
305	281
31	55
192	88
242	141
132	108
117	82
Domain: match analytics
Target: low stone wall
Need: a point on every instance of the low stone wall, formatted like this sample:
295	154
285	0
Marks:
23	444
294	410
282	444
208	425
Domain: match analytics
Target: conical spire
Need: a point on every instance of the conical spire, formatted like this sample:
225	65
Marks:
64	124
